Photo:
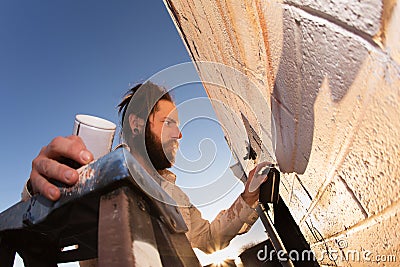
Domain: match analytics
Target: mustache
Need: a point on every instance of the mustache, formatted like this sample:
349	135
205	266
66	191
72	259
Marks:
171	144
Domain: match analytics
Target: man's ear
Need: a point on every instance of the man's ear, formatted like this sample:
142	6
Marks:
136	124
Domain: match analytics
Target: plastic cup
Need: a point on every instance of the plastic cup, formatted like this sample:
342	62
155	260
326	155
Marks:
96	133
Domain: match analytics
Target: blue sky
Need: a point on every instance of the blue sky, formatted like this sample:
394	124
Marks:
60	58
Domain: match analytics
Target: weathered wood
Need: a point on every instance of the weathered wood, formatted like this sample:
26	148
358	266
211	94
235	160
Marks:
110	213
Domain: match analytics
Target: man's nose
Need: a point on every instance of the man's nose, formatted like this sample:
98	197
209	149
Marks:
176	133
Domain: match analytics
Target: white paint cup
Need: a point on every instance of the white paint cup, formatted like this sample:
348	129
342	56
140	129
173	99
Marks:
96	133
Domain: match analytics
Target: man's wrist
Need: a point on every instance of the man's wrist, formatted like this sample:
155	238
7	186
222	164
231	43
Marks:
252	201
248	214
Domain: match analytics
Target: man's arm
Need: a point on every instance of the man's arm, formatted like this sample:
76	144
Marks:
211	237
241	215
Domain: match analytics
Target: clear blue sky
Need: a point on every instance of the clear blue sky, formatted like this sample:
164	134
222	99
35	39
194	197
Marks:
60	58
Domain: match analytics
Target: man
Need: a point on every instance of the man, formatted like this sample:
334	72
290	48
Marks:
151	130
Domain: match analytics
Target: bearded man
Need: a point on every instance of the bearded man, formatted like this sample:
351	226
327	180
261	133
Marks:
151	131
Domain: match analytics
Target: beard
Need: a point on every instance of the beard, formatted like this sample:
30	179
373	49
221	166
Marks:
161	155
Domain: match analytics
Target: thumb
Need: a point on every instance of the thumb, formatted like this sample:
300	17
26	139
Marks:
259	177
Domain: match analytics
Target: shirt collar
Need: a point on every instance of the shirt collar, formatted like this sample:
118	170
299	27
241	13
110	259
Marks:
168	175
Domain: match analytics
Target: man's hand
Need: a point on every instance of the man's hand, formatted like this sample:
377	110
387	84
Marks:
256	178
48	165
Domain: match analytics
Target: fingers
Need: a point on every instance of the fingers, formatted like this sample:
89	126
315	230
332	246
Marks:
47	165
257	180
263	167
42	186
49	168
71	147
257	177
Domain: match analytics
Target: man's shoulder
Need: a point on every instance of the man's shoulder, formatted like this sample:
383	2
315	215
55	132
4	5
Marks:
168	175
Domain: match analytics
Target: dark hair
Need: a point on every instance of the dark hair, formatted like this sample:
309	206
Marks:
141	101
145	97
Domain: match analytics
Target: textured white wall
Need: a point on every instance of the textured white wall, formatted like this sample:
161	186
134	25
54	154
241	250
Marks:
329	70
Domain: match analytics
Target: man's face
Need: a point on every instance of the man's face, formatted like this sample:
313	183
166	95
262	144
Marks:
162	135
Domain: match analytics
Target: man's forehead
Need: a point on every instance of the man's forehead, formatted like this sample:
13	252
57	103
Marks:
166	108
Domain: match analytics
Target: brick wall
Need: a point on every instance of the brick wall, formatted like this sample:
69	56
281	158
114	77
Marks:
321	89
